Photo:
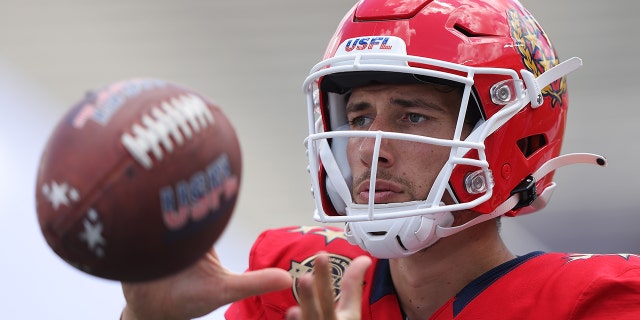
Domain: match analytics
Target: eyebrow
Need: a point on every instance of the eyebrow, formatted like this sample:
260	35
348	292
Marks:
358	106
405	103
417	102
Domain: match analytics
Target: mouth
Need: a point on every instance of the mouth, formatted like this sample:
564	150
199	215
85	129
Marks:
385	192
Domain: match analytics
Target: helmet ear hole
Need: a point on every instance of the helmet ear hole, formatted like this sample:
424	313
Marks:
531	144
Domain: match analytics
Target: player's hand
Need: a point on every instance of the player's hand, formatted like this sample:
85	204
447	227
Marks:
317	295
198	290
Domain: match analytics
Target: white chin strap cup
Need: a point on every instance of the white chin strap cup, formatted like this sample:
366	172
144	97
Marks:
398	237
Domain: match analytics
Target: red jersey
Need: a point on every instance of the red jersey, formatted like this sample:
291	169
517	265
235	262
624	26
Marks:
534	286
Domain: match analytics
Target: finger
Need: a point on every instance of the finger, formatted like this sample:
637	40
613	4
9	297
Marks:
350	304
294	313
324	286
308	303
240	286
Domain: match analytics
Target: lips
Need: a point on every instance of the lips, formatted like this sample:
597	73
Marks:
386	191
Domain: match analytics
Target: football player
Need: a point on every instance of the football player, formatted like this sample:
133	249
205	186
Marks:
428	122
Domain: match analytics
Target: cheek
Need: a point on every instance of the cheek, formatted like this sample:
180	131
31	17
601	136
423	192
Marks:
352	155
425	156
422	163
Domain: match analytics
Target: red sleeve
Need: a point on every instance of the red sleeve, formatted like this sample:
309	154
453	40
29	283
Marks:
292	249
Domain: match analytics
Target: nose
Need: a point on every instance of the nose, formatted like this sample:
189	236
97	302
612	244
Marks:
369	150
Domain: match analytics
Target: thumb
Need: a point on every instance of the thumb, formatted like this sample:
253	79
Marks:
257	282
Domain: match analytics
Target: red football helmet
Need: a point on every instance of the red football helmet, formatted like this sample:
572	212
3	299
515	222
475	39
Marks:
513	87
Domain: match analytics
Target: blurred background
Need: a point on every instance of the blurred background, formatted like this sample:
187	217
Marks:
251	58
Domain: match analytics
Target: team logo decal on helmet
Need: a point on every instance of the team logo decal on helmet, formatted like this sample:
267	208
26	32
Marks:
337	263
537	54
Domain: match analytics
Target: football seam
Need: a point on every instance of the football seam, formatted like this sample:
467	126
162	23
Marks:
175	121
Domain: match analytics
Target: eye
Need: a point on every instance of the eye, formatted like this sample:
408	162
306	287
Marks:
360	122
416	118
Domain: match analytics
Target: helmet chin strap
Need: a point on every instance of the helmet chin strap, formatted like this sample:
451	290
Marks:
405	236
541	199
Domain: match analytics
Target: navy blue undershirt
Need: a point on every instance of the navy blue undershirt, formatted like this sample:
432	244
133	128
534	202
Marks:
383	285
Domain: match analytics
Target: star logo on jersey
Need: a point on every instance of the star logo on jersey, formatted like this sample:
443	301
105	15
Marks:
92	233
586	256
328	234
337	263
60	194
304	229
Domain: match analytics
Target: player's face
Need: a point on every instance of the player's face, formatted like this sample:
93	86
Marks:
406	170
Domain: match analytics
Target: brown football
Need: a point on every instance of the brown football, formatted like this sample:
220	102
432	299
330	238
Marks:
138	180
